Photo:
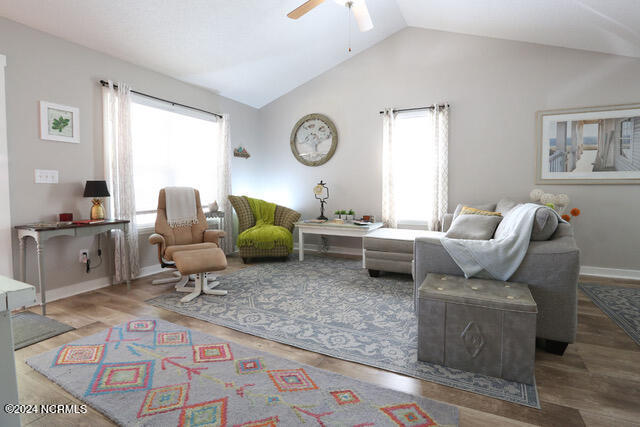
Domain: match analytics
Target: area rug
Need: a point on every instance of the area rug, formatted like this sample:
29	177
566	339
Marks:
29	328
156	373
619	303
331	306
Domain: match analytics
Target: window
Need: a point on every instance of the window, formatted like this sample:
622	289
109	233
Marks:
172	146
413	159
626	137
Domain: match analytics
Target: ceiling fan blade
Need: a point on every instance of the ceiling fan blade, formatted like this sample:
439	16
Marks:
361	13
304	8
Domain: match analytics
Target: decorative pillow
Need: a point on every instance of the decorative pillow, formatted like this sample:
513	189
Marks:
483	207
544	224
466	210
243	210
474	227
504	206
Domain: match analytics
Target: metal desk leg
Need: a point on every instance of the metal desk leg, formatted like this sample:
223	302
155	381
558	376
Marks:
301	245
43	297
22	245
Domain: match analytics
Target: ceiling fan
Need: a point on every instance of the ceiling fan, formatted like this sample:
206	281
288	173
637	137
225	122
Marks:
358	7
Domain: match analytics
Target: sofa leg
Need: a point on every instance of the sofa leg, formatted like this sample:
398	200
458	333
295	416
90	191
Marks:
374	273
245	260
552	346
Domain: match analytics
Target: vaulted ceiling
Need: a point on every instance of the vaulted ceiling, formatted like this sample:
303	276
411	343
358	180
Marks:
249	51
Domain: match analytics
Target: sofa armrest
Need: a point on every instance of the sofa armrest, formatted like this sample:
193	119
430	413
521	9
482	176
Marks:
446	221
213	236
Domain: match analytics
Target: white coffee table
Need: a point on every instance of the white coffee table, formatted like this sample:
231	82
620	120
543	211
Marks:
333	229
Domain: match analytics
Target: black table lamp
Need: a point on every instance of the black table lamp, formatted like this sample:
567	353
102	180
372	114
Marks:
96	189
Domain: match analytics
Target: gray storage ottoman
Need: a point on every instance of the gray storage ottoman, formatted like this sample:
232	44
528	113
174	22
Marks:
478	325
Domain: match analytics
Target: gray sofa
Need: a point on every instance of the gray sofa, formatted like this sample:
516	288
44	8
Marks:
550	268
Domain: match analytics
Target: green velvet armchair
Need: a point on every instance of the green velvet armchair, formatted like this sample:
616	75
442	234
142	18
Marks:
283	217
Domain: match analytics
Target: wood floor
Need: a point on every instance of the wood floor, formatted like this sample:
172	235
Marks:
596	382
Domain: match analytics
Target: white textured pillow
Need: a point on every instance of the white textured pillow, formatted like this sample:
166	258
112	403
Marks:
473	227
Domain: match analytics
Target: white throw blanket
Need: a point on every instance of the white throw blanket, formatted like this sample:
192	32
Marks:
181	206
502	255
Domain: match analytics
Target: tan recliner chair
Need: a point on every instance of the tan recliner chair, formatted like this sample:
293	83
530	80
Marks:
191	250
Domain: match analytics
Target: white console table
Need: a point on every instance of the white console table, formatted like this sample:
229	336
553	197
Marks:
333	229
43	233
13	294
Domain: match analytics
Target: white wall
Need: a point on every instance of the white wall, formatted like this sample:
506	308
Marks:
43	67
6	267
494	87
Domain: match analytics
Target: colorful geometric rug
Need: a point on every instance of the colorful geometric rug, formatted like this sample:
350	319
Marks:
155	373
619	303
331	306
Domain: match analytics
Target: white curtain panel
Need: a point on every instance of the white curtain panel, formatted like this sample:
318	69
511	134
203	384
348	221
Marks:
389	217
118	168
224	182
440	173
437	139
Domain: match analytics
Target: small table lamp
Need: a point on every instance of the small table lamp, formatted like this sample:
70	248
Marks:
321	192
96	189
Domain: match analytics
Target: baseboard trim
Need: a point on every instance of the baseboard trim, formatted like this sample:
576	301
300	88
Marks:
74	289
615	273
91	285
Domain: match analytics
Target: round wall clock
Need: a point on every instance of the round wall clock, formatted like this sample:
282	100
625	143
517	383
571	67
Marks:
314	139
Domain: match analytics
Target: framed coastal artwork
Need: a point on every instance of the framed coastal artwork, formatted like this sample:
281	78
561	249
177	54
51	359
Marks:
595	145
59	122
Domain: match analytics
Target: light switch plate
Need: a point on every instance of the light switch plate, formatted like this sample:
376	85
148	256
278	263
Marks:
44	176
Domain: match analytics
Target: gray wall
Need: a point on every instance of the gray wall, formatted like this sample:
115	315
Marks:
495	87
43	67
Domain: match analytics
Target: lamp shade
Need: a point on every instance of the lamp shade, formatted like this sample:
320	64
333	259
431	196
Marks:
96	189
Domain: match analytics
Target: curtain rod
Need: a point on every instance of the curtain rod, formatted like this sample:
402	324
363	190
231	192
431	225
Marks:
105	83
429	107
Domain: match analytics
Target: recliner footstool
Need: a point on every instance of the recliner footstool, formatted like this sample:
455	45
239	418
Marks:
200	262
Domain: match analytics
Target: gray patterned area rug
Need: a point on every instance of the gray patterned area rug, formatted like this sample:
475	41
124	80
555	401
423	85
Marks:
619	303
331	306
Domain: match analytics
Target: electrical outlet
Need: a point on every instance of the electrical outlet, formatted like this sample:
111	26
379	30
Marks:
83	257
43	176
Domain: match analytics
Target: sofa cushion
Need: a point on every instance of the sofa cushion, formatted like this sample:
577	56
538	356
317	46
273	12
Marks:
394	239
481	206
474	227
505	205
544	224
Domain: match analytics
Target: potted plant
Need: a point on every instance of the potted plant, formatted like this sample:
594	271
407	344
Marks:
337	213
343	214
351	215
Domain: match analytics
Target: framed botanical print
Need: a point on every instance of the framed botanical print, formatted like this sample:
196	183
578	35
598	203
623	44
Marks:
595	145
59	122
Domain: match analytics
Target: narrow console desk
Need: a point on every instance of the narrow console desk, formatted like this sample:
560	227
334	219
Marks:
44	233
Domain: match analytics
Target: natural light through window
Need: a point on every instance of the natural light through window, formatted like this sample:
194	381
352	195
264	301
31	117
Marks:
412	159
171	147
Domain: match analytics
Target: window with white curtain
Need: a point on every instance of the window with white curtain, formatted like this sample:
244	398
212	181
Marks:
172	146
413	160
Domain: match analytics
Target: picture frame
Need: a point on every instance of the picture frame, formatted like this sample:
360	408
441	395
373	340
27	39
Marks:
593	145
59	122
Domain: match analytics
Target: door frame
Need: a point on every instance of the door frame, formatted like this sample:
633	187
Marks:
6	262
